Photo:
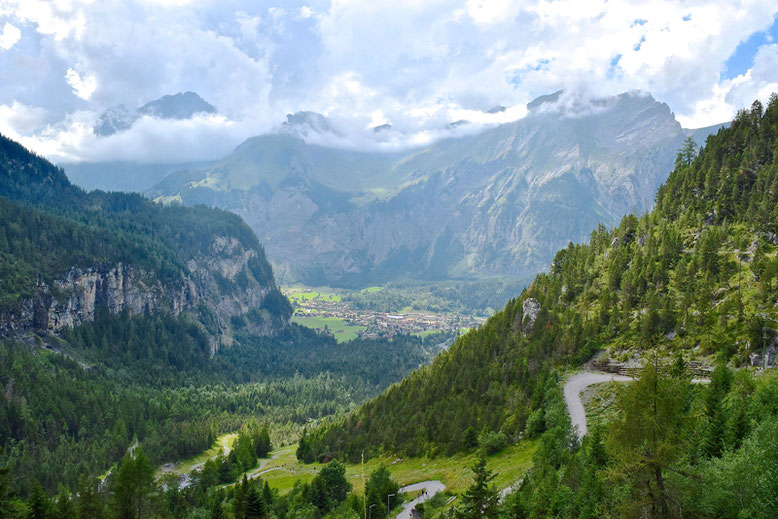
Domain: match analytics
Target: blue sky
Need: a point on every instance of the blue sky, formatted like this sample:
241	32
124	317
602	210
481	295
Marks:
743	58
416	64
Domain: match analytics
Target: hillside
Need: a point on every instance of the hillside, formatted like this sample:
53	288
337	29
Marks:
498	202
695	275
124	322
65	253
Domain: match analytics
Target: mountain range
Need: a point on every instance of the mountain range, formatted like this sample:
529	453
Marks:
496	203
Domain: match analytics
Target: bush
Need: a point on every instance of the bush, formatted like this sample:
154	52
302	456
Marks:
492	442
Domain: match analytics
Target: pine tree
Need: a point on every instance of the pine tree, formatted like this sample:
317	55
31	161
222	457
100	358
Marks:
39	504
645	440
715	412
262	443
241	497
481	499
255	504
88	501
217	510
65	508
10	506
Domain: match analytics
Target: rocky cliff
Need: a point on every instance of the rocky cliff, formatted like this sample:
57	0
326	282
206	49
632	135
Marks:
65	254
211	282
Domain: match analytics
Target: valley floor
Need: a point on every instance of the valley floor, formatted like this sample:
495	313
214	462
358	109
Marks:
281	470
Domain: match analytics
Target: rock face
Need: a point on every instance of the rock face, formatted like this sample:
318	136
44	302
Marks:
530	309
74	299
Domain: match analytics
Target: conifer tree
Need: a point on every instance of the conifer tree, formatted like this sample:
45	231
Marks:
481	499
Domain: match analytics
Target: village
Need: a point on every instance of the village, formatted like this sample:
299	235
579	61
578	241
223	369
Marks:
370	324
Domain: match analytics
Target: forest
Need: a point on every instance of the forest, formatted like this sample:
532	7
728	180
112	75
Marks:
696	275
694	279
50	226
73	406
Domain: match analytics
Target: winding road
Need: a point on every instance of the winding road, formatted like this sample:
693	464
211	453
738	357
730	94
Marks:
572	391
581	381
430	487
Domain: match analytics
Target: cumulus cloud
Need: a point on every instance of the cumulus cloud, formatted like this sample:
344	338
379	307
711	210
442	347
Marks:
418	66
9	36
83	86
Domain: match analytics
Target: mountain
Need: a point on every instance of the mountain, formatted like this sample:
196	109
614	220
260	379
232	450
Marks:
67	253
179	106
496	203
160	327
696	275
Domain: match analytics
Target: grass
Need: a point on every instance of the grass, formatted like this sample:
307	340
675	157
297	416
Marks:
341	331
600	403
308	294
223	442
510	465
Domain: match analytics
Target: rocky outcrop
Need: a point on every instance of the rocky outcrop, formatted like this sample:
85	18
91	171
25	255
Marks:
75	298
529	311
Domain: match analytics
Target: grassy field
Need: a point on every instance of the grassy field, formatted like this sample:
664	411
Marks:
510	465
223	442
301	294
343	332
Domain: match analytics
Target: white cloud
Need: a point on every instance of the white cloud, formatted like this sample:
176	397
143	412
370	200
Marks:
83	86
730	95
416	64
18	120
9	36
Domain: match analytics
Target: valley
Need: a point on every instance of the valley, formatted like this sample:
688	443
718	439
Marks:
413	260
334	312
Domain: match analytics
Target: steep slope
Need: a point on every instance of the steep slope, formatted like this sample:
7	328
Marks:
64	253
697	275
496	203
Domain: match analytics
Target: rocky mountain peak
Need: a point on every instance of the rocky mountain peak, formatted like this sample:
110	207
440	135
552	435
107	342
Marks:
180	106
304	122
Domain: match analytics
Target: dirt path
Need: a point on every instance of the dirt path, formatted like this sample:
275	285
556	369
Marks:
263	463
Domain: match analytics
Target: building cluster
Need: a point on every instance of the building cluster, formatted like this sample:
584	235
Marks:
381	324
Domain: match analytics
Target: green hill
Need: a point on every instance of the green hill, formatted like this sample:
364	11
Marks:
123	320
64	252
697	275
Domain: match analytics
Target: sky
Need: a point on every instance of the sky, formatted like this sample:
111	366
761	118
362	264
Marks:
415	64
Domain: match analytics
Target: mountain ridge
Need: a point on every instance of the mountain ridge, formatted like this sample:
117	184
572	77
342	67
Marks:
694	277
67	252
477	205
182	105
